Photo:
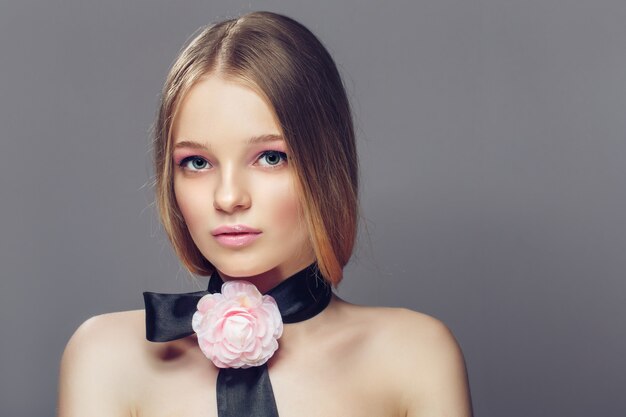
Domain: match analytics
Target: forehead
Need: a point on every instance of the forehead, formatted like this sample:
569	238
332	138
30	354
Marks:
215	108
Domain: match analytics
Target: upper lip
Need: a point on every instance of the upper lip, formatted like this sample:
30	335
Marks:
236	228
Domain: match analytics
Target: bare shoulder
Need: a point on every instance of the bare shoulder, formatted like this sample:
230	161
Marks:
419	356
407	331
105	324
112	337
396	330
98	365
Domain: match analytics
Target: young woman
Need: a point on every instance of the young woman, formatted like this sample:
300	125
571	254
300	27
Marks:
256	181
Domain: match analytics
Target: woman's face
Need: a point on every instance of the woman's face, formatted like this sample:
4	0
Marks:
234	184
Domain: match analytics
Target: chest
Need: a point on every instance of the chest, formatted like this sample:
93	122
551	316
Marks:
308	385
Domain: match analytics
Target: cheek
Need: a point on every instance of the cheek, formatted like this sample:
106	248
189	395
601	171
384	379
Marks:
288	211
189	202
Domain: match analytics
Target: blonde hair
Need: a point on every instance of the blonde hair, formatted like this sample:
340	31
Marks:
290	68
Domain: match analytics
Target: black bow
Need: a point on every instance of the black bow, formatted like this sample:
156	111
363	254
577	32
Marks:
240	392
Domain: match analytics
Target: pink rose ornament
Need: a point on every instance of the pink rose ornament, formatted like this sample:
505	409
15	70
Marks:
238	328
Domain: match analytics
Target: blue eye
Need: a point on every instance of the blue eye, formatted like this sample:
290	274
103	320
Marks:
272	158
197	163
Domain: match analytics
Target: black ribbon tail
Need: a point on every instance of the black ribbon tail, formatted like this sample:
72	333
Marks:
245	393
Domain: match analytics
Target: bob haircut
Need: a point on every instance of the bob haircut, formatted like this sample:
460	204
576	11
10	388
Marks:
283	62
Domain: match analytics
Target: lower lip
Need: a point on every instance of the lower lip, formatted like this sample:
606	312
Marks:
237	240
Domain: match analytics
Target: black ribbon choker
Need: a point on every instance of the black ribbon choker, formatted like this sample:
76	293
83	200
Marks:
241	392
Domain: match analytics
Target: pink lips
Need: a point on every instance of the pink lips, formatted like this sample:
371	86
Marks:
235	236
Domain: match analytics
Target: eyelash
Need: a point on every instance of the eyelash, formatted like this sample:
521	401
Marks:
283	156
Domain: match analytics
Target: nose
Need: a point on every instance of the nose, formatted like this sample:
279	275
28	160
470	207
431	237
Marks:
231	193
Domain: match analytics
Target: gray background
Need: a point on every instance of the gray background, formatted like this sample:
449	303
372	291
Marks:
492	140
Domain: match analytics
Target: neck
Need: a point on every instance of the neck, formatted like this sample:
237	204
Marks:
267	280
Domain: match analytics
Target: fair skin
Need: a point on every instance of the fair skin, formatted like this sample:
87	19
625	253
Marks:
347	361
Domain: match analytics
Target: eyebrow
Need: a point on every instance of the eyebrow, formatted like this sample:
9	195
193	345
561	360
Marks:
252	141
